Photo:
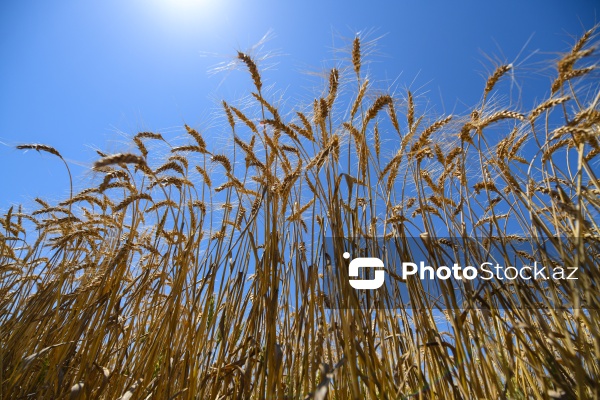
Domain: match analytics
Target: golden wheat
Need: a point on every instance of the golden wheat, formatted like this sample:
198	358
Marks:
211	290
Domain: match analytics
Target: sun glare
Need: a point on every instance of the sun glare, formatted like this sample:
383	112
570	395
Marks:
179	14
193	6
187	4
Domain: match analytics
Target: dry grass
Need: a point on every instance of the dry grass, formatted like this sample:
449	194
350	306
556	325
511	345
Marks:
200	278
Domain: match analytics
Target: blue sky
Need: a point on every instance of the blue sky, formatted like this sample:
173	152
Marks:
81	75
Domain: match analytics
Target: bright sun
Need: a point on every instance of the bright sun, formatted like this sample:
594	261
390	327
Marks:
187	3
184	12
192	5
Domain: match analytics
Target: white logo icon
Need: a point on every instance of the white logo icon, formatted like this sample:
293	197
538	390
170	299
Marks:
365	262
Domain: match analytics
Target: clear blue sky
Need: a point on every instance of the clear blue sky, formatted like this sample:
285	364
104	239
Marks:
80	75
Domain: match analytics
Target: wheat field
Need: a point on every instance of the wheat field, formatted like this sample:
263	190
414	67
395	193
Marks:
192	272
